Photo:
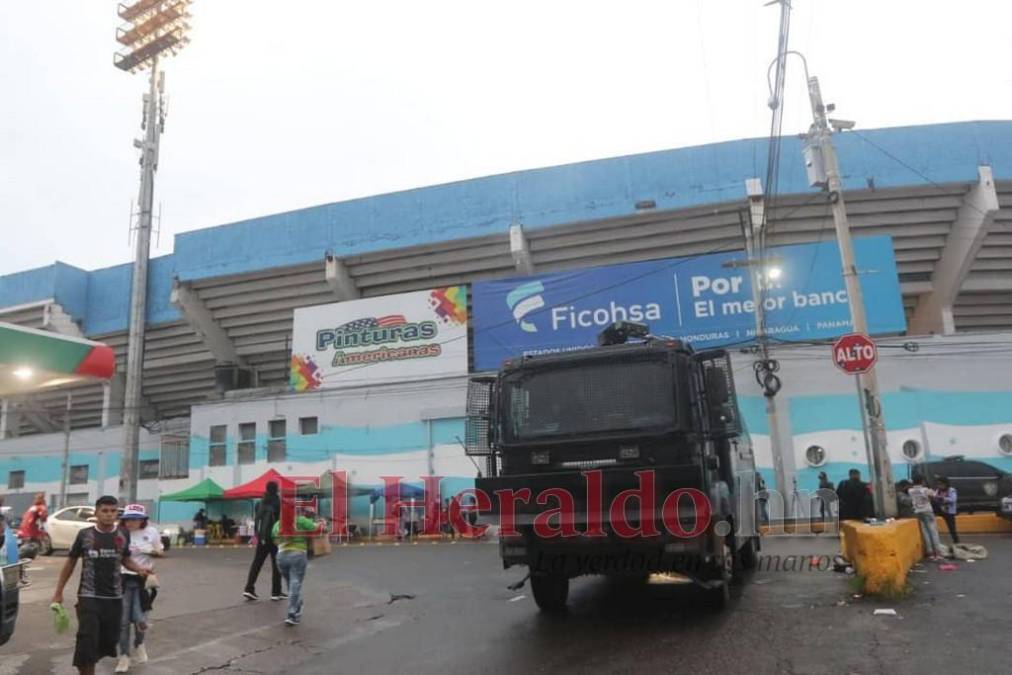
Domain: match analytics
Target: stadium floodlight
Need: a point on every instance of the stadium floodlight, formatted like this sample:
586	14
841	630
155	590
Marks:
152	28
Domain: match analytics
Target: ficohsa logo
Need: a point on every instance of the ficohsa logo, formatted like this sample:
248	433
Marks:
523	300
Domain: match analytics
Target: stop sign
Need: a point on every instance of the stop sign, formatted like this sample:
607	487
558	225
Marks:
854	353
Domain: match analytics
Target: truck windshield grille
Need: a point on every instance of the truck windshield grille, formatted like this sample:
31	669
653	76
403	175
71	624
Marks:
594	398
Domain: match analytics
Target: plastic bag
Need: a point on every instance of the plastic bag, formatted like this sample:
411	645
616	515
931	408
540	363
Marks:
61	620
10	544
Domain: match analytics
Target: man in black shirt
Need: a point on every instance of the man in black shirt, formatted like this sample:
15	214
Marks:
268	513
101	549
855	498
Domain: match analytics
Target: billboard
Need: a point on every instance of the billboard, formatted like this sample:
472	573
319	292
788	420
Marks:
393	338
706	300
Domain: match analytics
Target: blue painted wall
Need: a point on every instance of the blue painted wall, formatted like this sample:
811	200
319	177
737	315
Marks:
537	198
902	410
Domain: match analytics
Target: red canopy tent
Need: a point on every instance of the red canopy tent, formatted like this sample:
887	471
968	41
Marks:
255	488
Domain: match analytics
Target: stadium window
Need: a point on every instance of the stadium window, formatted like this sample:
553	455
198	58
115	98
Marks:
175	457
79	474
277	450
246	450
309	426
147	469
216	448
15	480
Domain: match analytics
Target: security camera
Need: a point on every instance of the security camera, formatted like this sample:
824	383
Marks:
841	125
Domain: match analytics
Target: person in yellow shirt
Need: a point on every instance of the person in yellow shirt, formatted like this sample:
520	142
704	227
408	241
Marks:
293	558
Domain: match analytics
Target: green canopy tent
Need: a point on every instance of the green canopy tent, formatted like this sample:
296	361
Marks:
204	491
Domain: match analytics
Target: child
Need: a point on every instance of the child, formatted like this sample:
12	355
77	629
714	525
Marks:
144	541
101	548
921	496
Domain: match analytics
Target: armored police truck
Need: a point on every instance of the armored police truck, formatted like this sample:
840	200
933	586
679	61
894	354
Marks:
625	459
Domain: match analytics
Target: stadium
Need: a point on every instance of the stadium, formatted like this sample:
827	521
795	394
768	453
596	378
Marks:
228	391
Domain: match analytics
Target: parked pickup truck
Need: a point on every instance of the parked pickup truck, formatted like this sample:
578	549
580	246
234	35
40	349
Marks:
10	576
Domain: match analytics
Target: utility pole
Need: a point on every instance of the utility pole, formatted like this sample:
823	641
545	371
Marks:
760	276
153	122
65	466
820	158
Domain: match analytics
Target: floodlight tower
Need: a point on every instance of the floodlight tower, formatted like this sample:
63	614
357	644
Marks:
153	28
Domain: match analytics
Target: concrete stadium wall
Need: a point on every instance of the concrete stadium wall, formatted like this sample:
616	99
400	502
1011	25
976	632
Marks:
581	192
40	457
952	396
947	396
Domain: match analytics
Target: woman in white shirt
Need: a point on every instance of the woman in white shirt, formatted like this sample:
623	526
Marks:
144	542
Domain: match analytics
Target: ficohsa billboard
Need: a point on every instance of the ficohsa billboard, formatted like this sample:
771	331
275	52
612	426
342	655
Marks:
393	338
706	300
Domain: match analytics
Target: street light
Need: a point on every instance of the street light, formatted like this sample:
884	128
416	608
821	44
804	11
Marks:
153	28
23	373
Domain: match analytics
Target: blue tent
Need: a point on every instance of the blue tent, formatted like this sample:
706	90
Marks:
407	491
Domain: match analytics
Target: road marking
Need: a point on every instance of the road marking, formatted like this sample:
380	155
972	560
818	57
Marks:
362	631
211	643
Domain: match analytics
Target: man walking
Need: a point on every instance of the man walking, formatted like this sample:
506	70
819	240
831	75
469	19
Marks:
267	515
293	558
101	549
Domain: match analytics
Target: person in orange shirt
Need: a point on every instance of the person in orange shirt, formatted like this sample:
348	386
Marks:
32	520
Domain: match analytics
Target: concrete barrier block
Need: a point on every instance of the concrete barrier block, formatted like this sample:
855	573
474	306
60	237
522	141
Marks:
883	554
978	523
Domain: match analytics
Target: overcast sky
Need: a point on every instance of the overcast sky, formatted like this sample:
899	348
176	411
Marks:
280	105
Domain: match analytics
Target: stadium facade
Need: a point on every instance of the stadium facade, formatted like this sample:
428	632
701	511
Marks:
222	391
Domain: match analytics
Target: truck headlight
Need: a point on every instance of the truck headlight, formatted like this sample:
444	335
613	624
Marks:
540	457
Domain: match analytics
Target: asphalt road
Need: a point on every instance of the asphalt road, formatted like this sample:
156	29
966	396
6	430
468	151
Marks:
446	609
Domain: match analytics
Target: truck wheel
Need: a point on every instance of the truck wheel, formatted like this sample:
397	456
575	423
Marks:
749	554
550	591
720	595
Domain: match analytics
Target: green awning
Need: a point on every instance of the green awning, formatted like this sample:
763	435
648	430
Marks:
204	491
32	359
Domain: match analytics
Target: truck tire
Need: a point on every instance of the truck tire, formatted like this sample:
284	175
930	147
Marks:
551	591
719	595
749	554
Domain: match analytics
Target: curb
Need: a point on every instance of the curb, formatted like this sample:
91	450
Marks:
345	544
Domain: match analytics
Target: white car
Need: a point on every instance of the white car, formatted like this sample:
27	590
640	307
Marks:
64	524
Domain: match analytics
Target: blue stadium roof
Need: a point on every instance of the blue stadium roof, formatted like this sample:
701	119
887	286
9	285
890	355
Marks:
535	198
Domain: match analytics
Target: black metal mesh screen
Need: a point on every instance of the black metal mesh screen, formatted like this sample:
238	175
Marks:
476	436
592	398
717	374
